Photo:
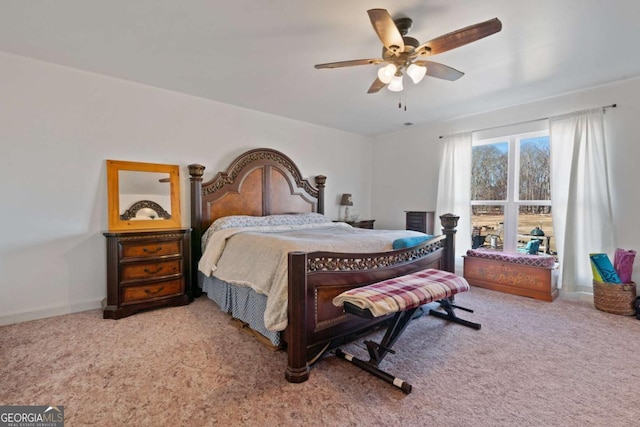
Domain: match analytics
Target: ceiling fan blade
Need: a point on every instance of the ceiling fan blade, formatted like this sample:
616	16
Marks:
351	63
459	37
386	30
440	71
376	86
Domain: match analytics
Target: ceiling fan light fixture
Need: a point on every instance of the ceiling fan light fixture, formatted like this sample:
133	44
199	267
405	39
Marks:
396	84
416	72
386	73
399	51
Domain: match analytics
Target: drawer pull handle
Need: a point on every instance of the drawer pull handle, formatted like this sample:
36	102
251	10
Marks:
150	292
152	251
157	270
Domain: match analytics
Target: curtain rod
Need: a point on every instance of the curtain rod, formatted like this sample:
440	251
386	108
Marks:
604	107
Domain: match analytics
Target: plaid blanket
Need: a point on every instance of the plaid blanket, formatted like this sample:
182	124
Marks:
404	292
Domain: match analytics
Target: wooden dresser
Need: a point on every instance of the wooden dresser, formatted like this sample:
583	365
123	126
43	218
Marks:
422	221
147	269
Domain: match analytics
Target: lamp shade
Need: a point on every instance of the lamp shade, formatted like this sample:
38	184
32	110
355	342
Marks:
396	83
385	74
346	200
416	72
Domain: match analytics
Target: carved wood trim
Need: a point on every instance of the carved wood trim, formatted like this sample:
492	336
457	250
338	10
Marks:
159	236
370	261
250	157
238	191
142	204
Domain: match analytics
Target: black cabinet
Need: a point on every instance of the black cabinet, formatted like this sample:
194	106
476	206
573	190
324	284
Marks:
422	221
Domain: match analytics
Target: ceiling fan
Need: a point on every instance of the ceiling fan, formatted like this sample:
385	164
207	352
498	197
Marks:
403	54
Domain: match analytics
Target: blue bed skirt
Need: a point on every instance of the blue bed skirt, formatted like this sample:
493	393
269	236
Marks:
241	303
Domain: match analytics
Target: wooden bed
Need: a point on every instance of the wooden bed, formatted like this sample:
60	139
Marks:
266	182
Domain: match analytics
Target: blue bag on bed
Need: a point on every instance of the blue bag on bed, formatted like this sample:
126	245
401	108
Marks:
407	242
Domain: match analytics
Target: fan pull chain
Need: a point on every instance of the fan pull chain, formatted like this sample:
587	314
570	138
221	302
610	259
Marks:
400	102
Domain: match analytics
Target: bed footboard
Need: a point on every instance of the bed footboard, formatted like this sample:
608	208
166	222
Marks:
316	278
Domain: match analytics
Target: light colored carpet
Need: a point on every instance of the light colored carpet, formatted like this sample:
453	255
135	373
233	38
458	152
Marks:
532	364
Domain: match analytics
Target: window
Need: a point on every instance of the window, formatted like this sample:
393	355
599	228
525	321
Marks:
511	191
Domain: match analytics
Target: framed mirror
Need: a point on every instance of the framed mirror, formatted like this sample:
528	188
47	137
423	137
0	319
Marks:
143	195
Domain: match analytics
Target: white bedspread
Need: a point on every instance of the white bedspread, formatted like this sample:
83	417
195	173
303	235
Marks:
257	256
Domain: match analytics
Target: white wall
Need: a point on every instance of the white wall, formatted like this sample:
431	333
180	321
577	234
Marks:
57	128
59	125
405	164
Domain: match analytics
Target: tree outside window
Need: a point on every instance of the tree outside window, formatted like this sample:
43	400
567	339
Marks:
511	192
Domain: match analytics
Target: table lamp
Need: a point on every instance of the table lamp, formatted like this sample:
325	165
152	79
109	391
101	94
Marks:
346	201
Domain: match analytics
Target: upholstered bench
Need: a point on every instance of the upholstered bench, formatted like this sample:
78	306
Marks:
400	297
534	276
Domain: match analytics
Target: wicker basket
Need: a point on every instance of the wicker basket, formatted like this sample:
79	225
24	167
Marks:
614	297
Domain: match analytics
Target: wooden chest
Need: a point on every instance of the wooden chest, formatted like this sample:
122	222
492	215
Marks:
525	280
146	269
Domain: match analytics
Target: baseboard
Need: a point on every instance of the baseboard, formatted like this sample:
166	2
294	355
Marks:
577	295
49	312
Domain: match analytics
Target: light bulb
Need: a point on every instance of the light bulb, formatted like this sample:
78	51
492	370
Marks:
396	84
386	73
416	72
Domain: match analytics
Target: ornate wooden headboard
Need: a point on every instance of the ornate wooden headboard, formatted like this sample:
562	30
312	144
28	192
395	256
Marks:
259	182
132	212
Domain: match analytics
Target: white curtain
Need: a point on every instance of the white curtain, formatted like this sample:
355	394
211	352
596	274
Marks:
454	189
582	218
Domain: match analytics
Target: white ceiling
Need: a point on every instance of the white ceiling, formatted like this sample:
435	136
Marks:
260	54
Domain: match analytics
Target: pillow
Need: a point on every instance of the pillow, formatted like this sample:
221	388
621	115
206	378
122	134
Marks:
297	219
236	221
407	242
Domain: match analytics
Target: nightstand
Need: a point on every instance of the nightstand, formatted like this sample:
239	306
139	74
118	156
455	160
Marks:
147	269
363	223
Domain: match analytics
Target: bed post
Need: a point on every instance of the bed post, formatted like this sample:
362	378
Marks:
320	182
297	366
449	223
196	171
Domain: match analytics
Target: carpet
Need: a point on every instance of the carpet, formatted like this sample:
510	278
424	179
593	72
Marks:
533	363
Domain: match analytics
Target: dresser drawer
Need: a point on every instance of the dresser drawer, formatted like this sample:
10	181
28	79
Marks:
150	249
415	221
365	223
132	294
149	270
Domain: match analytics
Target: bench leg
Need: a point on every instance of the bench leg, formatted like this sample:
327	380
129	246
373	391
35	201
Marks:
374	370
377	351
451	315
399	322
